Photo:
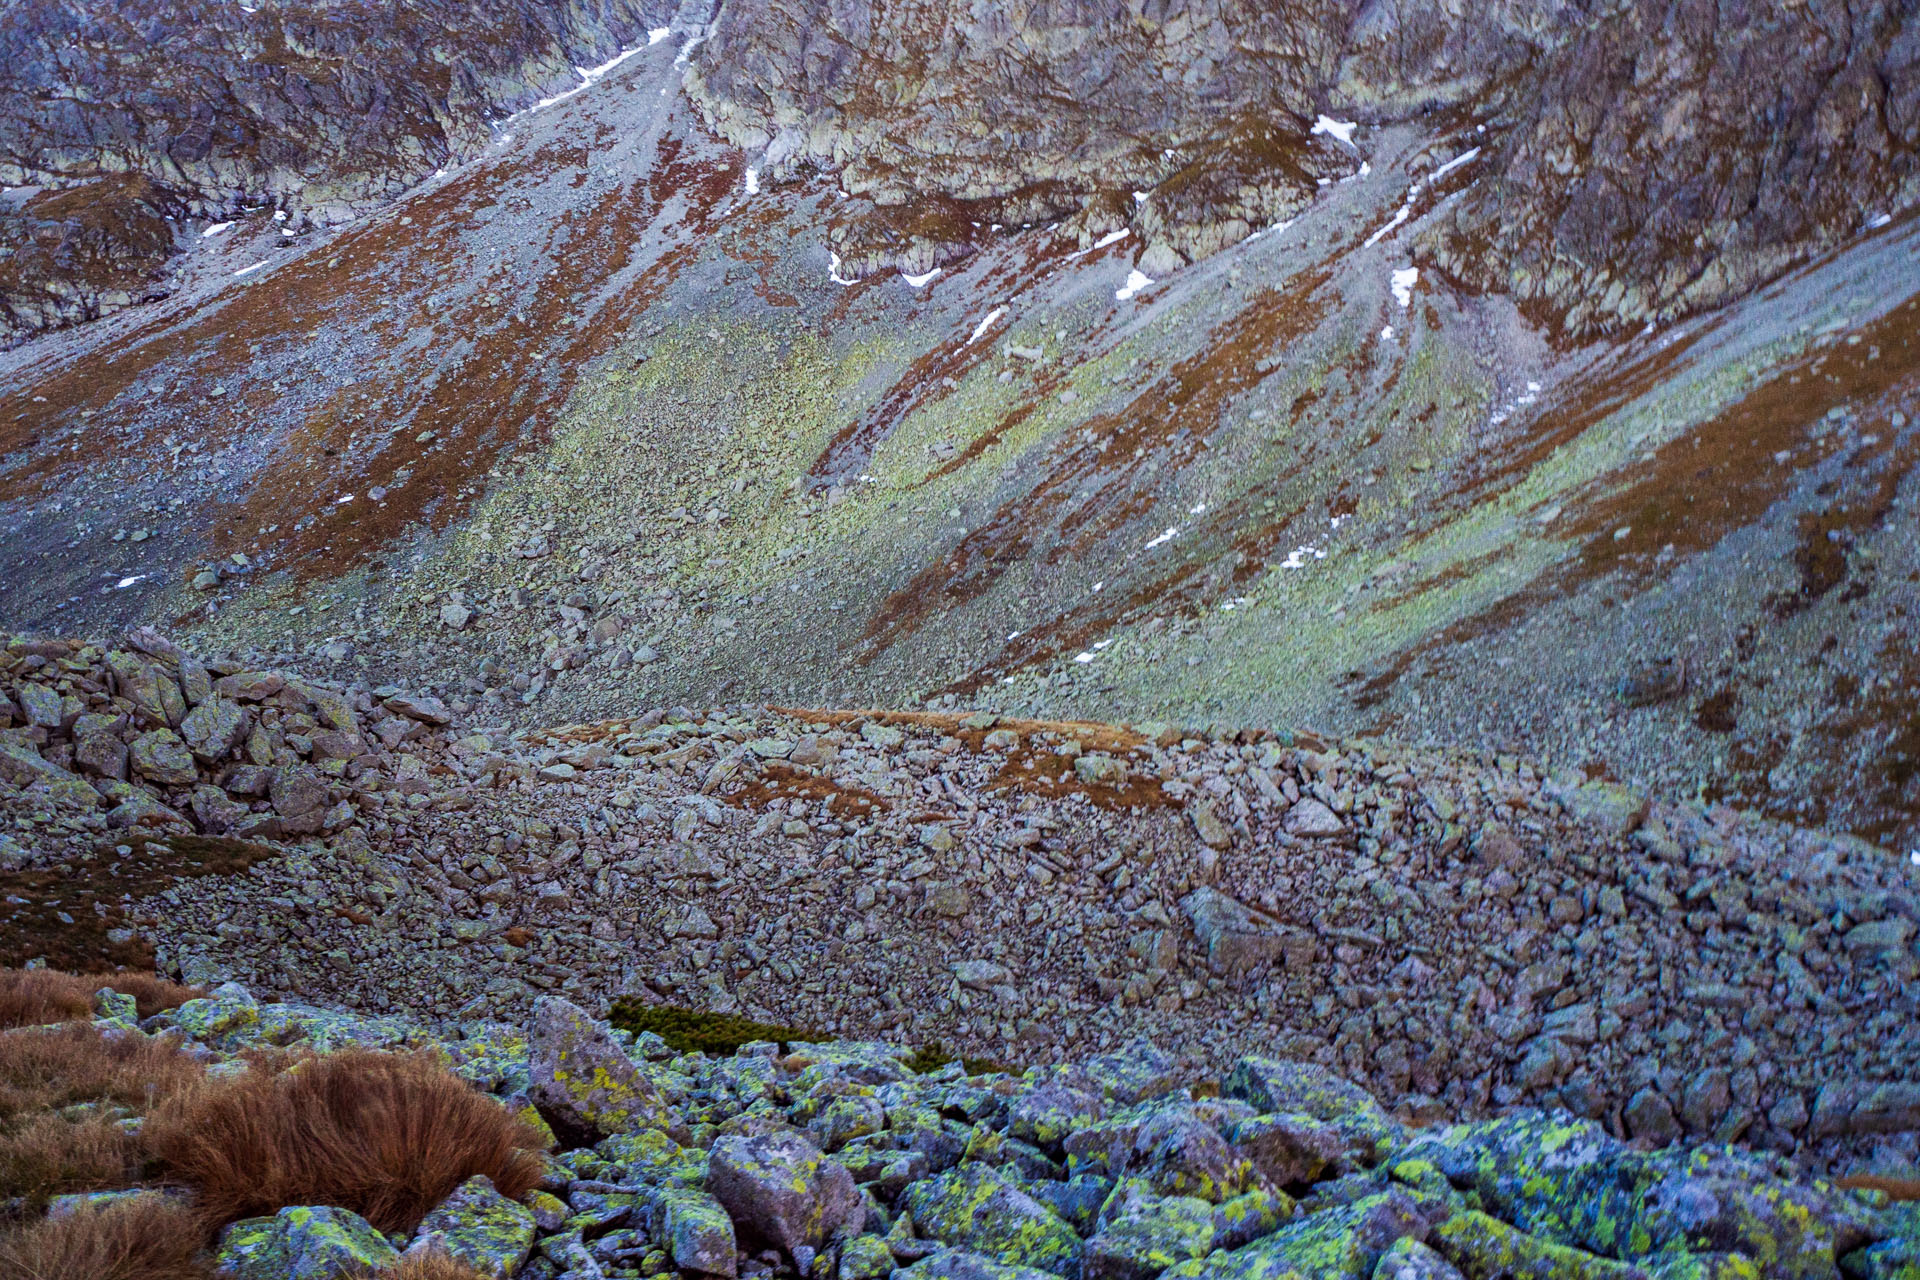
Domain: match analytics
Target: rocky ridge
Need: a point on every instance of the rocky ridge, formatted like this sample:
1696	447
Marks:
1462	933
1630	176
117	120
840	1161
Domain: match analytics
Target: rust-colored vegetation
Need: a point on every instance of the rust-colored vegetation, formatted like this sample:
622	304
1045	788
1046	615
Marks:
148	1237
388	1136
34	997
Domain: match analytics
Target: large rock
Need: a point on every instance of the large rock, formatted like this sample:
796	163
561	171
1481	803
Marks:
1288	1147
1142	1235
153	693
159	756
24	767
784	1190
696	1230
1484	1247
214	728
974	1207
303	1242
1335	1244
1239	939
480	1227
1304	1088
581	1075
1567	1182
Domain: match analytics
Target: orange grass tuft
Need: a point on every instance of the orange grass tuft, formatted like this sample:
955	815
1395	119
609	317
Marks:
31	997
386	1135
143	1238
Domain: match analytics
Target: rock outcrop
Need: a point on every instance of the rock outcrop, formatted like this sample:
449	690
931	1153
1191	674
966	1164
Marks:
1628	172
120	116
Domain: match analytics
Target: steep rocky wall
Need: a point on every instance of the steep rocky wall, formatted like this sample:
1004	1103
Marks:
1647	159
324	109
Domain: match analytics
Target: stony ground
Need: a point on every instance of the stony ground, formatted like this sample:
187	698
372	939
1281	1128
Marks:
1460	933
842	1161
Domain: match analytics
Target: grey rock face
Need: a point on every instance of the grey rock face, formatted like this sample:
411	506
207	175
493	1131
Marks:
1633	175
783	1189
194	109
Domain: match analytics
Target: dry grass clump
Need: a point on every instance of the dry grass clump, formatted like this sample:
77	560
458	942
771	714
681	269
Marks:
432	1265
41	1070
141	1238
386	1135
48	1150
31	997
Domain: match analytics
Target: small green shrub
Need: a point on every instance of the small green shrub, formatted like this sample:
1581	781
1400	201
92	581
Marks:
691	1031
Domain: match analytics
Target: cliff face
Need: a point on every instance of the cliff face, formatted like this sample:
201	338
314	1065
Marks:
129	113
1646	159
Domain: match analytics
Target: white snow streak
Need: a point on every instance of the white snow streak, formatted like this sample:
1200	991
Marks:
980	330
658	34
1463	158
833	270
1171	533
1406	211
248	270
920	281
214	230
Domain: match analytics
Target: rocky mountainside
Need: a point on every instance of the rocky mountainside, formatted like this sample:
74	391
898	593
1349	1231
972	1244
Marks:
1460	934
1639	160
1378	536
118	119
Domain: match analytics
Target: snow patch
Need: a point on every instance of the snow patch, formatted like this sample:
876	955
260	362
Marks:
1406	211
1136	281
1172	532
124	583
833	270
1083	657
920	281
250	270
1341	129
1403	281
214	230
1112	237
658	34
753	182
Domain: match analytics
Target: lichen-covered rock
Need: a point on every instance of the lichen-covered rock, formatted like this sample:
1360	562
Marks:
1134	1073
303	1242
214	728
581	1074
480	1227
24	767
696	1231
1568	1182
974	1207
1182	1155
784	1190
1278	1085
1409	1259
1142	1234
1345	1242
965	1264
153	692
1484	1248
1894	1259
865	1257
115	1007
1288	1147
1046	1113
1246	1218
227	1019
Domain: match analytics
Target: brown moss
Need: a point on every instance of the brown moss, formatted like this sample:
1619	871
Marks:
94	891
